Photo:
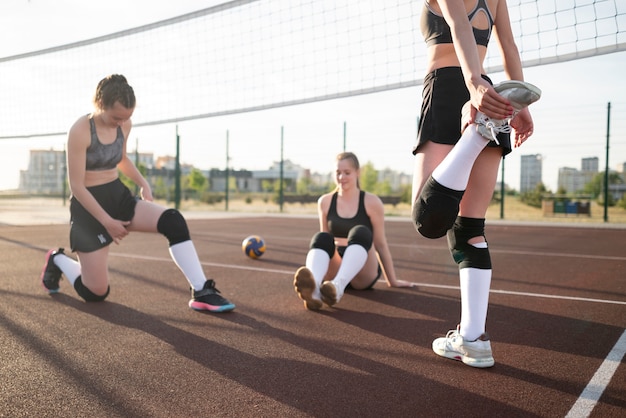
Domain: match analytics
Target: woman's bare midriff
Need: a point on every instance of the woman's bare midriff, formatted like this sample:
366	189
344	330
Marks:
97	178
443	55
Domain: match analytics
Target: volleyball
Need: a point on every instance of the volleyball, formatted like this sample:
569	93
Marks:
253	246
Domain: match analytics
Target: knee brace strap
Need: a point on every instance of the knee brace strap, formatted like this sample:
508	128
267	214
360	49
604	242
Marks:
464	254
435	209
87	294
172	224
324	241
361	235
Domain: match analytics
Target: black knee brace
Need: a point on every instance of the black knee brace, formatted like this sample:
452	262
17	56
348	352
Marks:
87	294
463	253
360	235
173	225
436	208
323	241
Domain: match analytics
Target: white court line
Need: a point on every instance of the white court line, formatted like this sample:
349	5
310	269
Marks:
587	399
600	380
438	286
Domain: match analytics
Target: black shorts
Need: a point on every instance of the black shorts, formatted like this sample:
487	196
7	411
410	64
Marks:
341	250
443	97
86	233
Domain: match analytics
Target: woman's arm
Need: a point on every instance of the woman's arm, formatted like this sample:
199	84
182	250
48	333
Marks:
522	123
323	203
482	95
130	170
376	212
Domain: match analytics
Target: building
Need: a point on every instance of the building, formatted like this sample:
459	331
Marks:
530	172
145	159
46	173
256	181
590	165
573	180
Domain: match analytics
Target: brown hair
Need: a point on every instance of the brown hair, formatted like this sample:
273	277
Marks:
111	89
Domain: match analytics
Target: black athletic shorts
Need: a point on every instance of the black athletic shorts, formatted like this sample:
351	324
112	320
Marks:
443	97
86	233
341	250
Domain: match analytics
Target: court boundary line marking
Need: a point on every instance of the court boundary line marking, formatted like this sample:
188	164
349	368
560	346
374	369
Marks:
430	285
592	393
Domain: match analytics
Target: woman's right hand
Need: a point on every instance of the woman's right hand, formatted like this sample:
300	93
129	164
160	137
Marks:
117	229
485	99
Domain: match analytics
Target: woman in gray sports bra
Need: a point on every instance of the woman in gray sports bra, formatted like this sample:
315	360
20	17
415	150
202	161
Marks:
103	210
350	250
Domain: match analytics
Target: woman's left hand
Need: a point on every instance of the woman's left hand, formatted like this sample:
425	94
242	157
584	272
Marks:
146	194
402	283
523	126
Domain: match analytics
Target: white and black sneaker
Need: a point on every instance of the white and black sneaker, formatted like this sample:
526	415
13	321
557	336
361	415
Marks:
521	95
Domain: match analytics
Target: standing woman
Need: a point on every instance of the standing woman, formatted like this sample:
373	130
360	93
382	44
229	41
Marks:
455	176
104	211
351	248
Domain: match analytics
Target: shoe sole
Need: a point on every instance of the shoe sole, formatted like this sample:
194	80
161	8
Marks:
201	306
43	272
531	93
304	283
329	293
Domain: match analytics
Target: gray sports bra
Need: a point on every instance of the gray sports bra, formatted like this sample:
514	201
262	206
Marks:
103	156
437	31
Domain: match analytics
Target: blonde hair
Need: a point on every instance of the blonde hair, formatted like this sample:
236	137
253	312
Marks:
355	163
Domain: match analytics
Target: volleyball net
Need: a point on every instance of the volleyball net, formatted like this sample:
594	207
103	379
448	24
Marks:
218	72
248	55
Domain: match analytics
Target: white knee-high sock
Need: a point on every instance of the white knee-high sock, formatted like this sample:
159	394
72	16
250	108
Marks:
475	285
69	267
354	258
186	258
317	260
454	171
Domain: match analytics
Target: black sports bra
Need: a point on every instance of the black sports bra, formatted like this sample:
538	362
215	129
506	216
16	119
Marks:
436	30
339	226
103	156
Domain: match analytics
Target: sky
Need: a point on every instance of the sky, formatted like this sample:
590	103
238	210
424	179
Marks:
570	119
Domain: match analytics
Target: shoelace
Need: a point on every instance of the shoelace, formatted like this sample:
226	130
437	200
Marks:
495	127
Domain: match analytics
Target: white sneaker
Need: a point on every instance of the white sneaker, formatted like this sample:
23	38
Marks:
331	294
475	353
521	95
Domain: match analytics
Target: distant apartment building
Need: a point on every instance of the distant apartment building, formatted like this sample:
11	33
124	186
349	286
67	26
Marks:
46	173
145	159
256	181
530	172
396	179
573	180
590	165
570	180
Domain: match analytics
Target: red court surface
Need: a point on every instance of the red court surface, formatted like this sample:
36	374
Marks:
557	320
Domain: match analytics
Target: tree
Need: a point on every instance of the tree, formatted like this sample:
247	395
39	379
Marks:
595	187
369	177
534	197
304	185
383	189
128	182
197	181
